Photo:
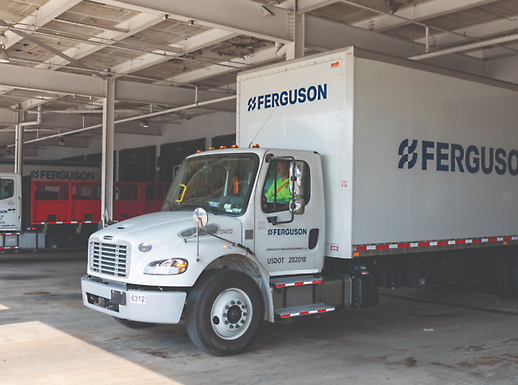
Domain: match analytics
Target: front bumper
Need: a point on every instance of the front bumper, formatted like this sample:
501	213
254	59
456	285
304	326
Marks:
135	305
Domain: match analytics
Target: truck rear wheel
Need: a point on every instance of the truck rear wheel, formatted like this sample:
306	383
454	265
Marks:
224	312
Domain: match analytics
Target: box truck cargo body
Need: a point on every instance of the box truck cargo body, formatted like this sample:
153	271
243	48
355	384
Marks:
354	170
409	156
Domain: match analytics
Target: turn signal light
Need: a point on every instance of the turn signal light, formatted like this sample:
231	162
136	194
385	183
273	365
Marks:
211	148
234	146
255	146
222	147
197	152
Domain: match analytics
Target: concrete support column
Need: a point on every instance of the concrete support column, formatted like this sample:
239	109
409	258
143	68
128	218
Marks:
107	152
18	145
296	26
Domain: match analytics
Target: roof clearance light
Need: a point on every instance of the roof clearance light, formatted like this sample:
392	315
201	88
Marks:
255	146
197	152
234	146
222	147
211	148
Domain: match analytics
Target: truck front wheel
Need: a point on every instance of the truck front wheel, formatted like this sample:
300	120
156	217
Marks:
224	312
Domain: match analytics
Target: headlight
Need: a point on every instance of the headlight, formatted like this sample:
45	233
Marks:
169	266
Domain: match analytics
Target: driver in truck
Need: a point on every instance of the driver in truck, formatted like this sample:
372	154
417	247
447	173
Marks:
280	190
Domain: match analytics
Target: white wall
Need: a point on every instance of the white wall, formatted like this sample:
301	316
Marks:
505	69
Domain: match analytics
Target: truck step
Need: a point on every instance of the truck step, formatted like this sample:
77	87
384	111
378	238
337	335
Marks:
303	310
298	280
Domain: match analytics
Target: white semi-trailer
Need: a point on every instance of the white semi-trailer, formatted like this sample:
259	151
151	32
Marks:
400	174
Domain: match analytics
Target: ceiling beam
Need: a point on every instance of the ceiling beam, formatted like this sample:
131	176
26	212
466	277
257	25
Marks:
304	6
7	116
239	16
258	58
477	32
84	85
172	96
191	44
420	12
41	16
131	26
325	34
51	81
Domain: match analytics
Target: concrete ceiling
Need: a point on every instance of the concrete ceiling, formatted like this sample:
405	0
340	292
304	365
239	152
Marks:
165	53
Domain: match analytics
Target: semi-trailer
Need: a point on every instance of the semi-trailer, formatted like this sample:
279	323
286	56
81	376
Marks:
400	174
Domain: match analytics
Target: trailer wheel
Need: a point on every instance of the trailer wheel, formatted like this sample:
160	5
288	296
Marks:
134	324
224	312
504	276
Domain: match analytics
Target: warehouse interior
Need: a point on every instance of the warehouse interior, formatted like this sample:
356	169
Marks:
130	88
167	57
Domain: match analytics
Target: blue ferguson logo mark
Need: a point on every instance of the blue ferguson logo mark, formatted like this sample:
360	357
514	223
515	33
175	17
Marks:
454	157
276	99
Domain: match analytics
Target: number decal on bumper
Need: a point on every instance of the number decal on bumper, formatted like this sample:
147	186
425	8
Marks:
138	298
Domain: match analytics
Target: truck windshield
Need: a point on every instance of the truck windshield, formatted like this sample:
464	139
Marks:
221	184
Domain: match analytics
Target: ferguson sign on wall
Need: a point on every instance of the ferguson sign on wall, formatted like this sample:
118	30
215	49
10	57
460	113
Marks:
57	172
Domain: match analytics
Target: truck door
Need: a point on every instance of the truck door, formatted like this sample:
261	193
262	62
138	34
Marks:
288	248
10	200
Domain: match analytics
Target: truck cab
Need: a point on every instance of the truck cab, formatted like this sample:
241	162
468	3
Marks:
229	269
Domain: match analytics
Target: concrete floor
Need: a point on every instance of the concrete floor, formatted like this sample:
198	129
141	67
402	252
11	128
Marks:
421	336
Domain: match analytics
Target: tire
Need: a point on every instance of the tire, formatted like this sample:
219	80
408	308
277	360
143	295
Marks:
133	324
504	276
224	312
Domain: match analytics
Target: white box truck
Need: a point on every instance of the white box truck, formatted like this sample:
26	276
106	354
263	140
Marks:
399	174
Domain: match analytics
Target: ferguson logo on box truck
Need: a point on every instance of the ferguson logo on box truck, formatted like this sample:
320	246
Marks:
454	157
284	98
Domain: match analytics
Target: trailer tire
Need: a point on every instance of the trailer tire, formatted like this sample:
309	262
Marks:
504	276
134	324
224	312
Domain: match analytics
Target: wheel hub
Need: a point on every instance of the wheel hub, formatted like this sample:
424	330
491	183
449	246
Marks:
231	314
234	314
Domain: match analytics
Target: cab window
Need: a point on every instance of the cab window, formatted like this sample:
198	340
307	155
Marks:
276	193
6	188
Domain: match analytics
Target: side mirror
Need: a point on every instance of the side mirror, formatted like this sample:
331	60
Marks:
300	172
298	206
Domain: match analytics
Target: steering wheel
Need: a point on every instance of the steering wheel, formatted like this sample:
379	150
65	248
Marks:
233	200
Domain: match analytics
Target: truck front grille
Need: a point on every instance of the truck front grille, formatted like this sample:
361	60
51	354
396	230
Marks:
109	258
